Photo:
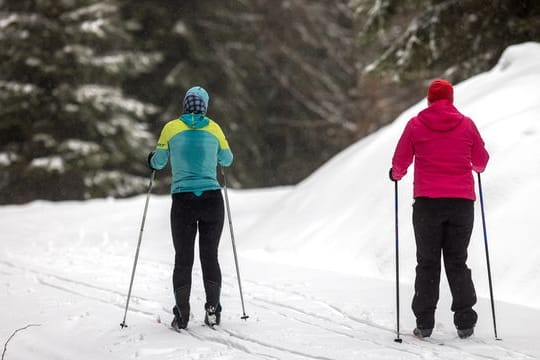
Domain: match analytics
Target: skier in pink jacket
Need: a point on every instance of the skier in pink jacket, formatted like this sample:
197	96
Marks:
446	147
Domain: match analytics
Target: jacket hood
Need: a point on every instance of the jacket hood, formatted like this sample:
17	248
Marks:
441	116
195	121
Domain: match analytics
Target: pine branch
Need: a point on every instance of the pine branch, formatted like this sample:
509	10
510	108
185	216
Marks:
12	335
405	42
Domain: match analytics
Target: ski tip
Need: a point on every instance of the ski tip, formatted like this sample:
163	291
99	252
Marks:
398	340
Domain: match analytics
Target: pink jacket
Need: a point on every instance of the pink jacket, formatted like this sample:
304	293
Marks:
446	147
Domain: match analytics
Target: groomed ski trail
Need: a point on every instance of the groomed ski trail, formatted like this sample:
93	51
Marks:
286	322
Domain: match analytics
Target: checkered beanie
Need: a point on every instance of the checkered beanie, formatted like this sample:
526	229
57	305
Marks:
194	104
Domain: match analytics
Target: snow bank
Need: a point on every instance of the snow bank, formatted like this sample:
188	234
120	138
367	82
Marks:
342	217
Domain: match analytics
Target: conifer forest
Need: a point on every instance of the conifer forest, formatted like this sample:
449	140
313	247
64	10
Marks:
87	85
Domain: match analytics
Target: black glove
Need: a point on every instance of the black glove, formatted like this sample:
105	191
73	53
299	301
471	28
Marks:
149	162
390	175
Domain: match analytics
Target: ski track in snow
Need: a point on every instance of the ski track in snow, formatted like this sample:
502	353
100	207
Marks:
503	353
194	332
319	315
92	292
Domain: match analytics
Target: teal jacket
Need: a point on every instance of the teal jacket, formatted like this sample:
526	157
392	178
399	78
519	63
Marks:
195	145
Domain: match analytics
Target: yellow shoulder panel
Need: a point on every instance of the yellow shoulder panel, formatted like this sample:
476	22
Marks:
170	129
214	129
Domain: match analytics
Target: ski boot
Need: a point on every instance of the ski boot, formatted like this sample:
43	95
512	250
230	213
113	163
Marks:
465	321
181	309
422	333
181	318
465	333
212	315
212	307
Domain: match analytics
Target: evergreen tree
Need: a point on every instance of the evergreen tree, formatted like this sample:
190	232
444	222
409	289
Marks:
281	76
67	130
405	44
453	38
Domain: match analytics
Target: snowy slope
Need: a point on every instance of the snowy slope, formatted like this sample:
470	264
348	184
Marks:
342	217
317	259
66	267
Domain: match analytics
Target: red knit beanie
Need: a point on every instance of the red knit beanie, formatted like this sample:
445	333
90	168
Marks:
440	89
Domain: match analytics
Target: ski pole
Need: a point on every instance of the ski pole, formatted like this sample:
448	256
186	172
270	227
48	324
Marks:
397	339
123	323
487	256
244	317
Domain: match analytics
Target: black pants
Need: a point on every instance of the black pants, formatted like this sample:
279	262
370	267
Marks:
190	213
443	225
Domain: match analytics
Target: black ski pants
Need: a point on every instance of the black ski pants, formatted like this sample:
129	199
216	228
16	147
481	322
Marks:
443	225
190	213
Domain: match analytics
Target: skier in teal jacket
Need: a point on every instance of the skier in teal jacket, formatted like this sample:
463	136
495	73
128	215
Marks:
195	145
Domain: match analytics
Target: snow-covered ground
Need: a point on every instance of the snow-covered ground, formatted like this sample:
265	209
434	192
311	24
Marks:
317	259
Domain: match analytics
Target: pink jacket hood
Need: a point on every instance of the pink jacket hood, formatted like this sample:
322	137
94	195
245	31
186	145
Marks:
441	116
